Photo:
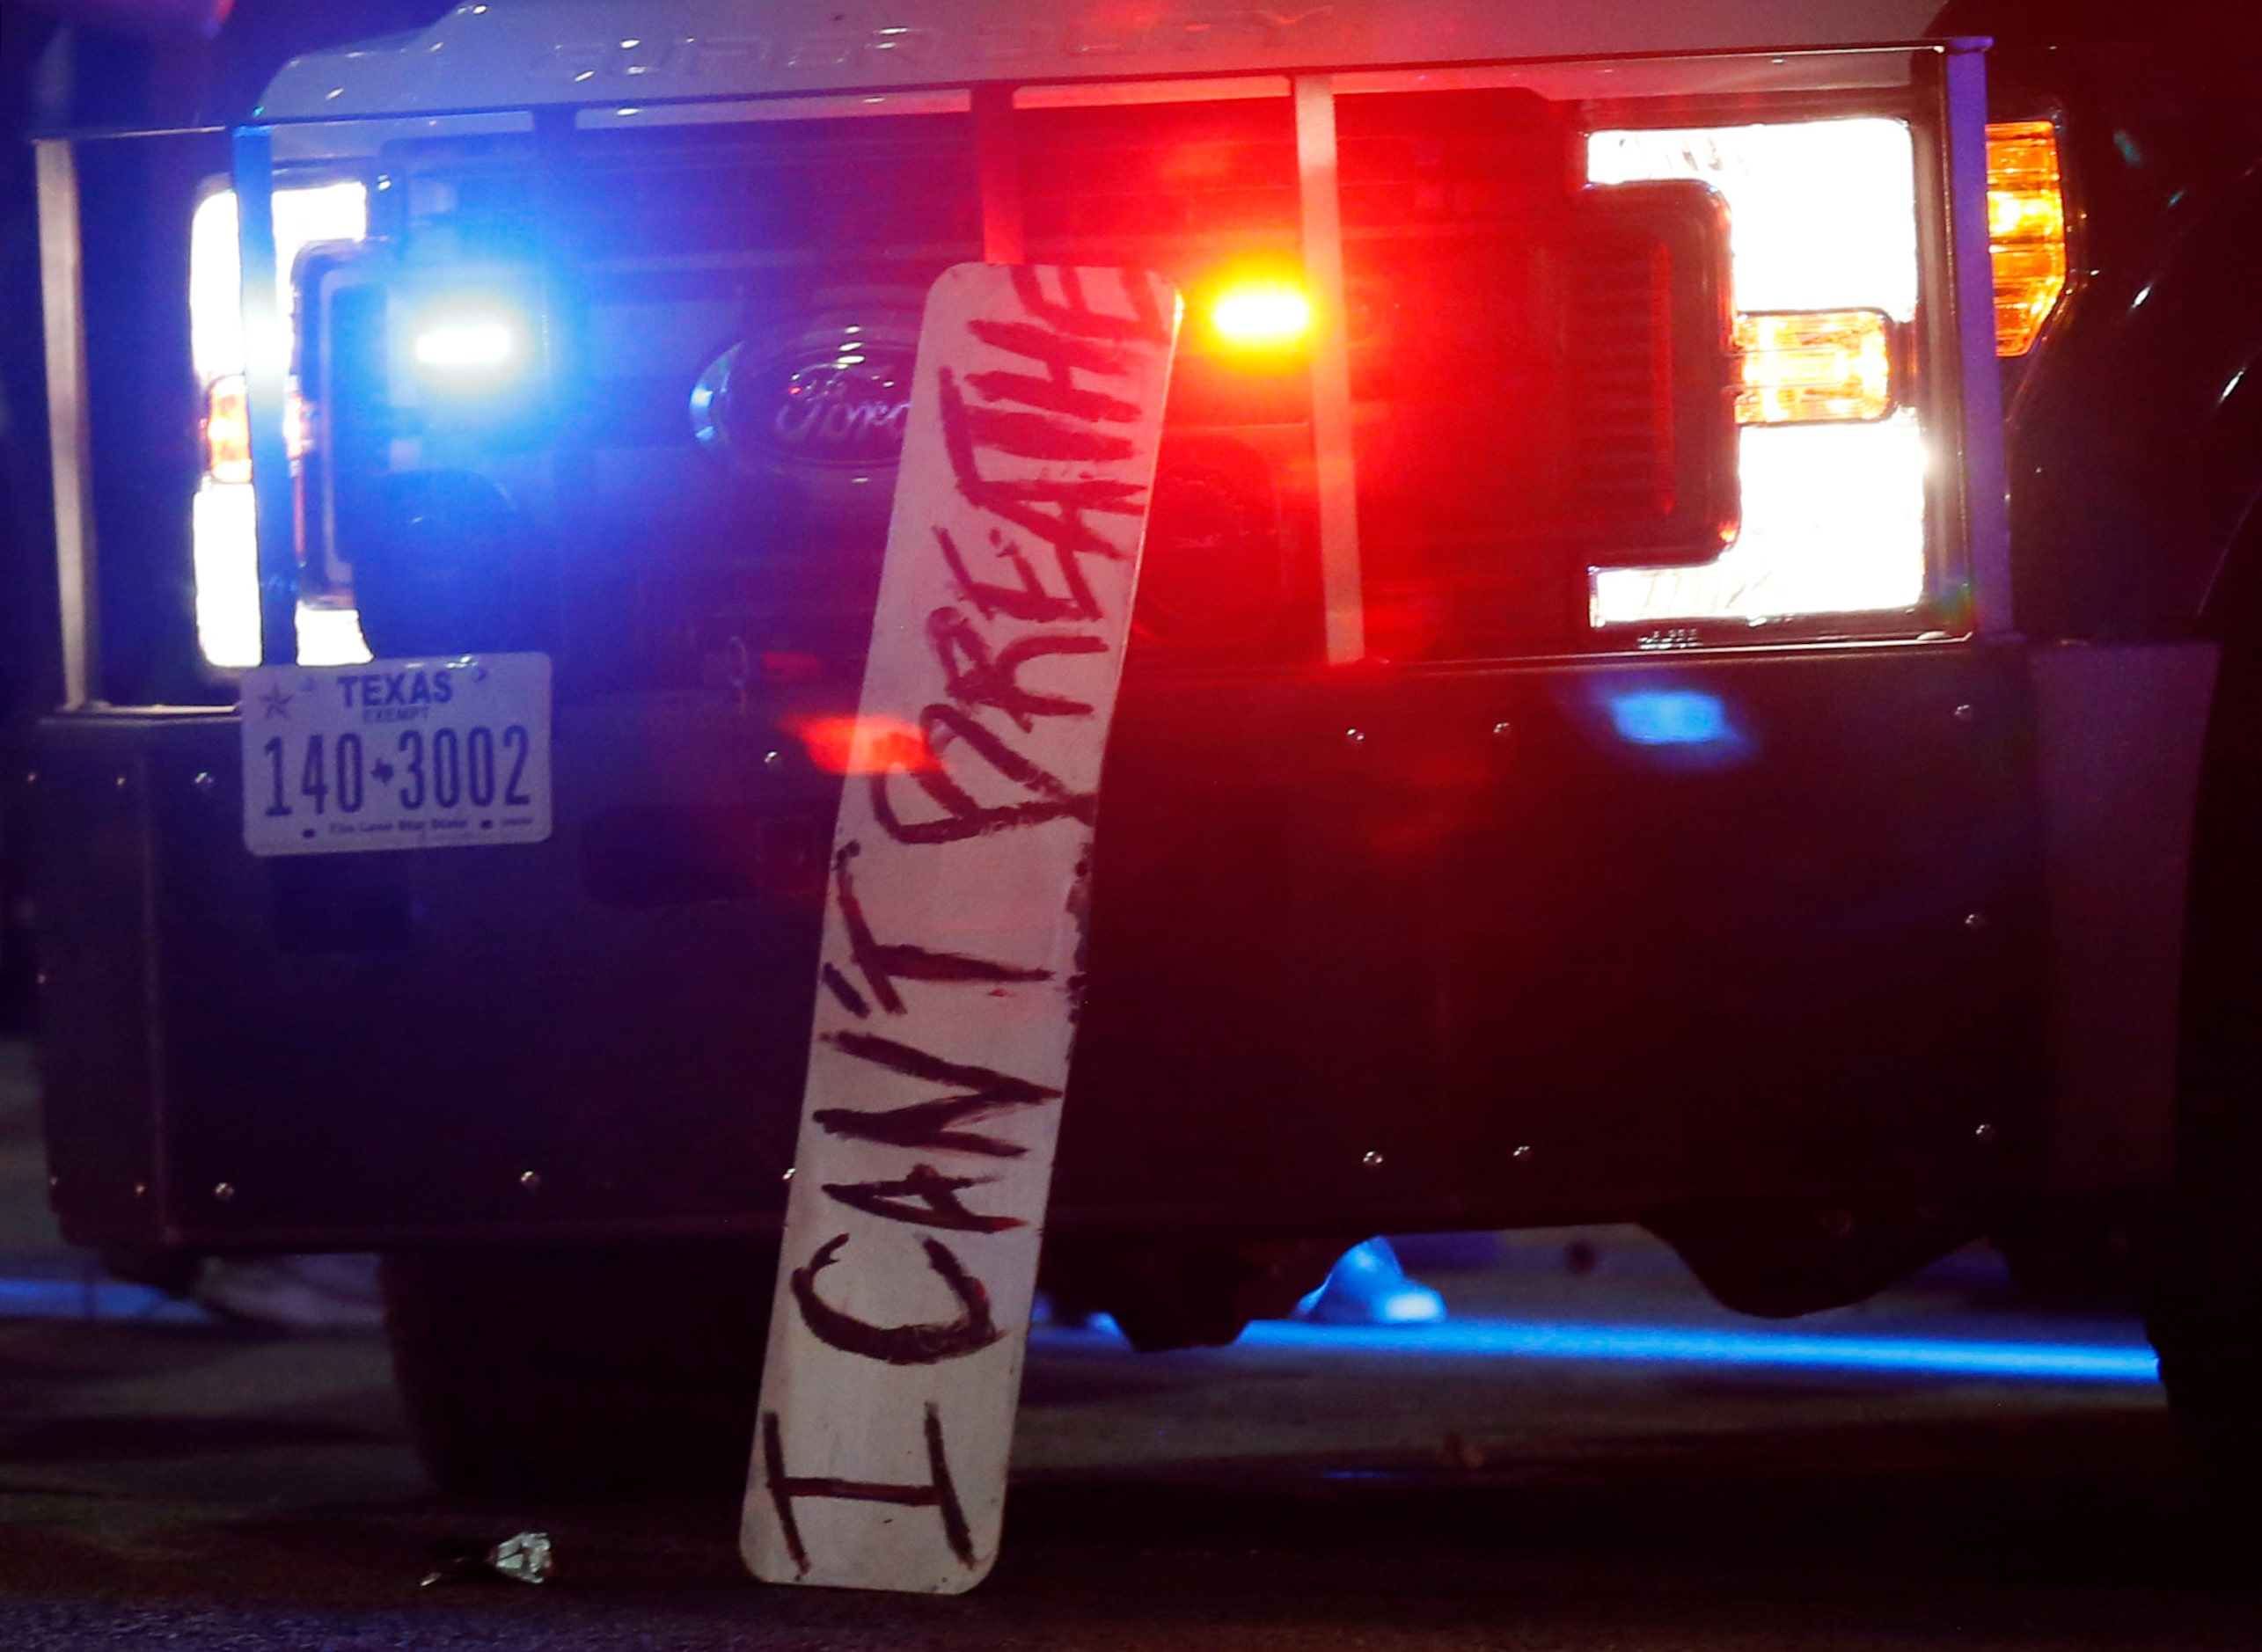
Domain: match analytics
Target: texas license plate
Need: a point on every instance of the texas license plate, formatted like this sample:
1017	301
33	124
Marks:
397	753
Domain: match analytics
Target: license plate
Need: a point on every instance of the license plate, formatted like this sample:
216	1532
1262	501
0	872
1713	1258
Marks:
397	753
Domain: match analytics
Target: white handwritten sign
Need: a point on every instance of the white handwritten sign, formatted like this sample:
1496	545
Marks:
953	925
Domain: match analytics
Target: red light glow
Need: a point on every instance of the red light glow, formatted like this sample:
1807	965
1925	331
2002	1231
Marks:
861	745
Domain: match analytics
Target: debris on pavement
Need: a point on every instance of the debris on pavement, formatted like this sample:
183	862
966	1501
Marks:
524	1558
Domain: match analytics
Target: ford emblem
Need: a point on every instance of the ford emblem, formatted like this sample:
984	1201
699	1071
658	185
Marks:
822	403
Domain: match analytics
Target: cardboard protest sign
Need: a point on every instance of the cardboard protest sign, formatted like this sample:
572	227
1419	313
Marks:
953	924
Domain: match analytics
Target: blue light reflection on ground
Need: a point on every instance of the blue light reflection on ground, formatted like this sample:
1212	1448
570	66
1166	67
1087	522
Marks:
61	1299
1696	1345
1699	1346
1483	1339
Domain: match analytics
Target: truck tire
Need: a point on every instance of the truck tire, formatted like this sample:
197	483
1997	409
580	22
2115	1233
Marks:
2203	1312
2199	1253
623	1370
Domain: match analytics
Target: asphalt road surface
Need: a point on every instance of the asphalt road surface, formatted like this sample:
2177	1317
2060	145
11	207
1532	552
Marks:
1587	1456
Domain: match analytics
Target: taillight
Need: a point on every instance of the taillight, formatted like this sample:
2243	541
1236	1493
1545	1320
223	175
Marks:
1814	367
2026	230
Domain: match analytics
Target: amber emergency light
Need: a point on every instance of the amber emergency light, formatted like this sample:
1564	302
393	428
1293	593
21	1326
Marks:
2026	230
1814	367
228	429
1261	315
